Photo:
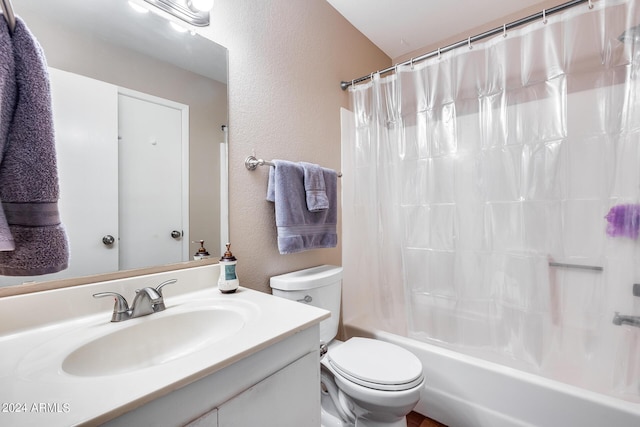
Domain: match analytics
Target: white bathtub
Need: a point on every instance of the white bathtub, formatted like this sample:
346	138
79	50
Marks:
463	391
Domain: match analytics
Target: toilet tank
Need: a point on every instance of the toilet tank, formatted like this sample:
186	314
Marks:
318	286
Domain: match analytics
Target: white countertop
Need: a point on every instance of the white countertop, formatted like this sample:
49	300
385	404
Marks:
35	390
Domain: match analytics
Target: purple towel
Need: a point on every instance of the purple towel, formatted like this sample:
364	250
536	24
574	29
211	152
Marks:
314	187
8	95
28	169
298	228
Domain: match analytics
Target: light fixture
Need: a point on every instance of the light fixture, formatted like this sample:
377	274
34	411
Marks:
138	8
179	28
183	10
201	5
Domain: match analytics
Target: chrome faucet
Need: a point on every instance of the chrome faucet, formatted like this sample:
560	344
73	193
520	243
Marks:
619	319
147	301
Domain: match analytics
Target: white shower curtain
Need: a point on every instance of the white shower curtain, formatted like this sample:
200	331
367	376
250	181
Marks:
476	181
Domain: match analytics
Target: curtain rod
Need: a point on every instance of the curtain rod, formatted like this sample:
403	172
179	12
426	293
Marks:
7	10
503	29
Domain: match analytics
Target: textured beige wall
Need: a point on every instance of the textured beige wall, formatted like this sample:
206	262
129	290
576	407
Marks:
286	60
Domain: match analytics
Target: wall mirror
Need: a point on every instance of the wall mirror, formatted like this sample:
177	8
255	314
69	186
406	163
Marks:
112	48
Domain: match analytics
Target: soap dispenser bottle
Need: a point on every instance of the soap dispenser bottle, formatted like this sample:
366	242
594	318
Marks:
202	252
228	281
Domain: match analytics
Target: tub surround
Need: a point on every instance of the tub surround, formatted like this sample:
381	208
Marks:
38	331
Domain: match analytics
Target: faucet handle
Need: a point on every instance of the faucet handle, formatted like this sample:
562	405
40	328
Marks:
617	320
120	307
165	283
160	305
120	304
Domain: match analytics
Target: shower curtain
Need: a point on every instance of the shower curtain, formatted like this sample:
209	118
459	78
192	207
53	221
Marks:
490	195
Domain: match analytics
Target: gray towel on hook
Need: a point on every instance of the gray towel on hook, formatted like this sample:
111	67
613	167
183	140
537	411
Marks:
314	187
28	169
7	106
298	228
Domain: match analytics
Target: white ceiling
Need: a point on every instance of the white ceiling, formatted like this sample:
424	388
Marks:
398	27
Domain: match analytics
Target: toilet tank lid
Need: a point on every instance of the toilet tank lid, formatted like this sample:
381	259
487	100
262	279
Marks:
309	278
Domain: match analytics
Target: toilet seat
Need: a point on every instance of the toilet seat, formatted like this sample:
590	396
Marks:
376	364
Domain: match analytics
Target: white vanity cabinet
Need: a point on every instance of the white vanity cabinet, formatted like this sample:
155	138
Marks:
278	386
210	419
290	397
286	398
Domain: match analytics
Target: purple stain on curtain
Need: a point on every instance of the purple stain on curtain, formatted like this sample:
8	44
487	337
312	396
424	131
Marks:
624	221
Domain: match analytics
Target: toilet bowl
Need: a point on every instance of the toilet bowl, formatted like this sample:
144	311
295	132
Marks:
381	382
366	382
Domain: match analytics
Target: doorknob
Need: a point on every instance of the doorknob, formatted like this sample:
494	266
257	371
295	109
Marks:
175	234
108	240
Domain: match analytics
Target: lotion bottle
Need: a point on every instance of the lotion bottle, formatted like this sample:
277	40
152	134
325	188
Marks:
228	281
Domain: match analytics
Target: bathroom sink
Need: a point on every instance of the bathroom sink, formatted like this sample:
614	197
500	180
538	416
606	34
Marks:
152	340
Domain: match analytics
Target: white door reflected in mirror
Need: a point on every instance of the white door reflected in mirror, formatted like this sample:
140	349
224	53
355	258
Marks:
151	182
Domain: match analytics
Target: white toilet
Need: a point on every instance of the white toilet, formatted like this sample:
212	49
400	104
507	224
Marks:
364	382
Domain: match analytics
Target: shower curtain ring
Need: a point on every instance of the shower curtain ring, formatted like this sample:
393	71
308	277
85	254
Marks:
438	53
469	43
371	76
544	16
412	63
590	5
504	30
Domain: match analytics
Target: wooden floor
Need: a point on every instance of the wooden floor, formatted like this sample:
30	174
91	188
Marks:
417	420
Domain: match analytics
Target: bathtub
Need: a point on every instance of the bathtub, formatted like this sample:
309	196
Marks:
463	391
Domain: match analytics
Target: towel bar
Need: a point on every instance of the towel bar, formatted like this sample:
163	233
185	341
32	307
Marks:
9	16
251	163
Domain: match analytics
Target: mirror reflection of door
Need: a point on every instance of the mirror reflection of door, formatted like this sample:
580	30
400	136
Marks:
85	114
151	184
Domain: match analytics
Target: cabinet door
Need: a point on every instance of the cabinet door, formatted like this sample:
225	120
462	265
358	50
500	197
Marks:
210	419
288	398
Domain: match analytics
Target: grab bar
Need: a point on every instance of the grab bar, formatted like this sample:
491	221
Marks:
576	266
